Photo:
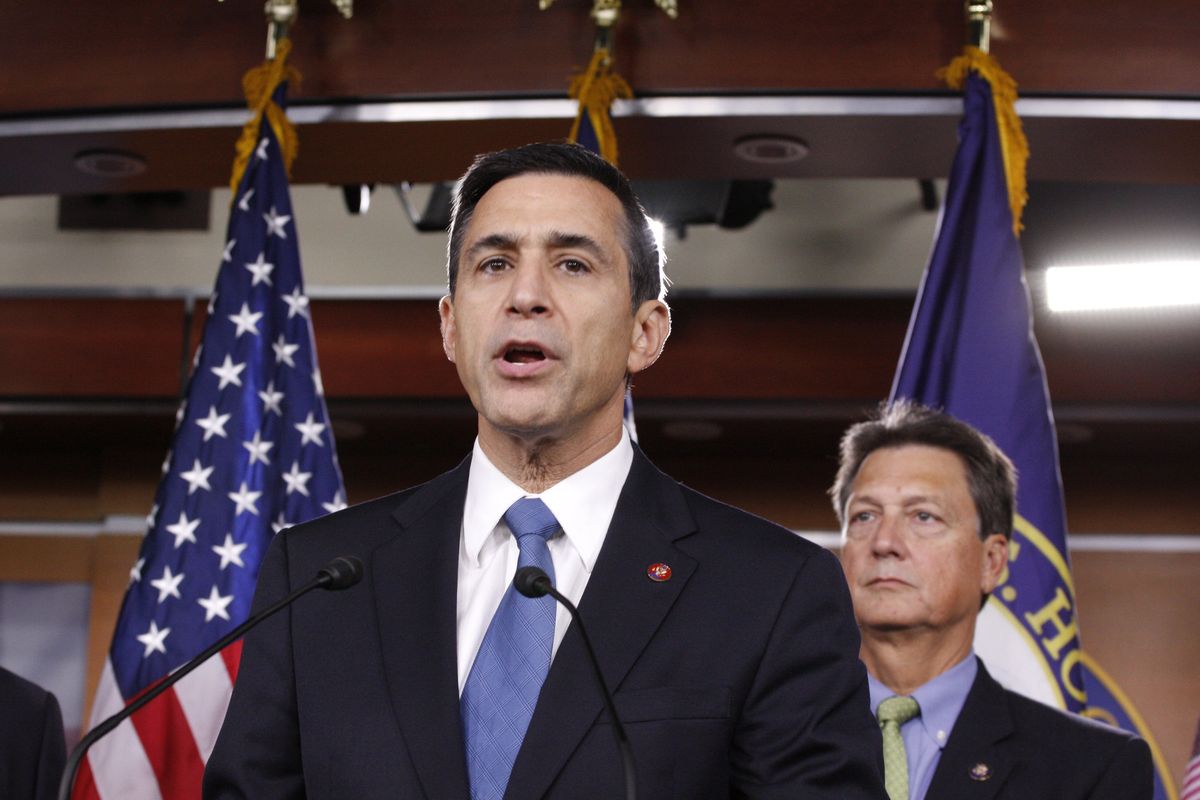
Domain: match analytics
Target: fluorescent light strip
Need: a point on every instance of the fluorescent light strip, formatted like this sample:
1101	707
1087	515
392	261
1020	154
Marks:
1117	286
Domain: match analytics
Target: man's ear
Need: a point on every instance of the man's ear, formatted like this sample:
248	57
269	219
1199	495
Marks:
995	559
446	312
651	327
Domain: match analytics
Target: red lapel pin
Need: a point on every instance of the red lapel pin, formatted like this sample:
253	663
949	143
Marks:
658	572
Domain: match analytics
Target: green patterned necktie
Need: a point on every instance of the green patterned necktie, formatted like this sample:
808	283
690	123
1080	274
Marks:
892	713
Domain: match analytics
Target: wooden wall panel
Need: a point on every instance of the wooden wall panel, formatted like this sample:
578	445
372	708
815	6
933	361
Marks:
764	348
178	54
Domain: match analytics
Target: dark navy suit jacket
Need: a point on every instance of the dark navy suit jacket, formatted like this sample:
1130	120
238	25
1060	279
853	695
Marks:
736	678
32	748
1005	745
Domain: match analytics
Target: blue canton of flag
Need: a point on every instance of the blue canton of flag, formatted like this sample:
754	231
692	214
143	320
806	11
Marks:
971	351
253	451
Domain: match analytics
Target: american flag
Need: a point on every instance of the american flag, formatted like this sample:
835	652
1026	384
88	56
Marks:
252	454
1191	775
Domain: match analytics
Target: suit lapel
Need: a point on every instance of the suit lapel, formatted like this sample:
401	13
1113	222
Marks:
621	609
415	575
976	761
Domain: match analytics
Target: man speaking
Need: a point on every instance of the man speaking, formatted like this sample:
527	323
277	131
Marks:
926	504
729	643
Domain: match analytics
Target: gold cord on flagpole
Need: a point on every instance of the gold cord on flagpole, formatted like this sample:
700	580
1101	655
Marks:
1014	147
259	85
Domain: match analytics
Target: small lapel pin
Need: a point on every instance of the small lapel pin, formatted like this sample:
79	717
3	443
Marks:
980	772
658	572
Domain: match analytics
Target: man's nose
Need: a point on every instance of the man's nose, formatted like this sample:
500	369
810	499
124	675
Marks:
529	289
889	536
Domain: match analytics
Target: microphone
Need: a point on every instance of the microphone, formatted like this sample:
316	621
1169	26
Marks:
534	582
340	573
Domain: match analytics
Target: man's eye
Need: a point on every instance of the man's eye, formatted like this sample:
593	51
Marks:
574	265
861	516
493	265
925	516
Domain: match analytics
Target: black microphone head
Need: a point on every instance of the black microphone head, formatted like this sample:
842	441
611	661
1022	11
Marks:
341	573
532	582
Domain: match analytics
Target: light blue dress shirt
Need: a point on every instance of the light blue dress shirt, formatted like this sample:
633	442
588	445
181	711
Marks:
926	734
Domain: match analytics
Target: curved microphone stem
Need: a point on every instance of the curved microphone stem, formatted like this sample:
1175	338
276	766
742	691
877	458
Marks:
618	729
325	579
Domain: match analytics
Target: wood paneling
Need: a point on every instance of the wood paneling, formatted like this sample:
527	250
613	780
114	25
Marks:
170	54
766	348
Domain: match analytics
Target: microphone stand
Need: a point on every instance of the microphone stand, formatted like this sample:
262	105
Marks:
533	582
330	576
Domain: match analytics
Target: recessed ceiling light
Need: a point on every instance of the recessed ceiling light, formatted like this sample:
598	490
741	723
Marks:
110	163
770	149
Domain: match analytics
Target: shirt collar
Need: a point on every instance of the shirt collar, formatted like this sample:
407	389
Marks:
583	503
940	699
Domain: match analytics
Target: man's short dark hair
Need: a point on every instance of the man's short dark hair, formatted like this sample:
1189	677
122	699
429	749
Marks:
991	477
557	158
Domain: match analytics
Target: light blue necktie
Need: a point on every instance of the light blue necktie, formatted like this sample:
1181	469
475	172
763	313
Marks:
502	689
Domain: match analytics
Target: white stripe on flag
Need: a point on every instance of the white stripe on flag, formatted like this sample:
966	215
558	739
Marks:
1191	780
119	764
204	696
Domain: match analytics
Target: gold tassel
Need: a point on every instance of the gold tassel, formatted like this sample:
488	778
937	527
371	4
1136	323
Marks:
1013	144
259	84
596	88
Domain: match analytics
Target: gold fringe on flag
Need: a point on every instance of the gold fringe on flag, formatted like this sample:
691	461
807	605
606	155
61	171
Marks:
259	84
596	88
1013	145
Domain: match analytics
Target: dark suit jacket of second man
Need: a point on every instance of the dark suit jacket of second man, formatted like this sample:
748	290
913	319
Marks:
1005	746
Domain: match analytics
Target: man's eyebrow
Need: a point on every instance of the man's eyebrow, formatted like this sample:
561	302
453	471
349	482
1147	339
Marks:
577	241
493	241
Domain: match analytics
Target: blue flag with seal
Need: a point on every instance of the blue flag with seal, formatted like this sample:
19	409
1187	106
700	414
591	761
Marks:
970	350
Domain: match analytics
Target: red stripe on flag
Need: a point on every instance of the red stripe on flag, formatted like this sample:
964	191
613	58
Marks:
233	657
167	740
85	783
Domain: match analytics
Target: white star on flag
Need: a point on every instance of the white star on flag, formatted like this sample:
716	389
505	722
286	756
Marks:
275	223
167	585
152	516
280	523
245	500
261	152
296	480
197	476
258	448
229	552
297	303
271	399
184	530
153	639
317	383
213	425
228	372
135	574
284	351
261	270
246	321
337	504
244	203
227	256
310	431
215	605
166	465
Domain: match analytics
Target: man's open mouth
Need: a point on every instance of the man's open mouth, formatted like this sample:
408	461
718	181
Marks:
524	355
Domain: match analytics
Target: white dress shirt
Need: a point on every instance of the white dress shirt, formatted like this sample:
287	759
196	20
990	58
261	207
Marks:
582	503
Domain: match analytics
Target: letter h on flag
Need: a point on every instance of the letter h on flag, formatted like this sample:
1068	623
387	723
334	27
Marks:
252	453
970	350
